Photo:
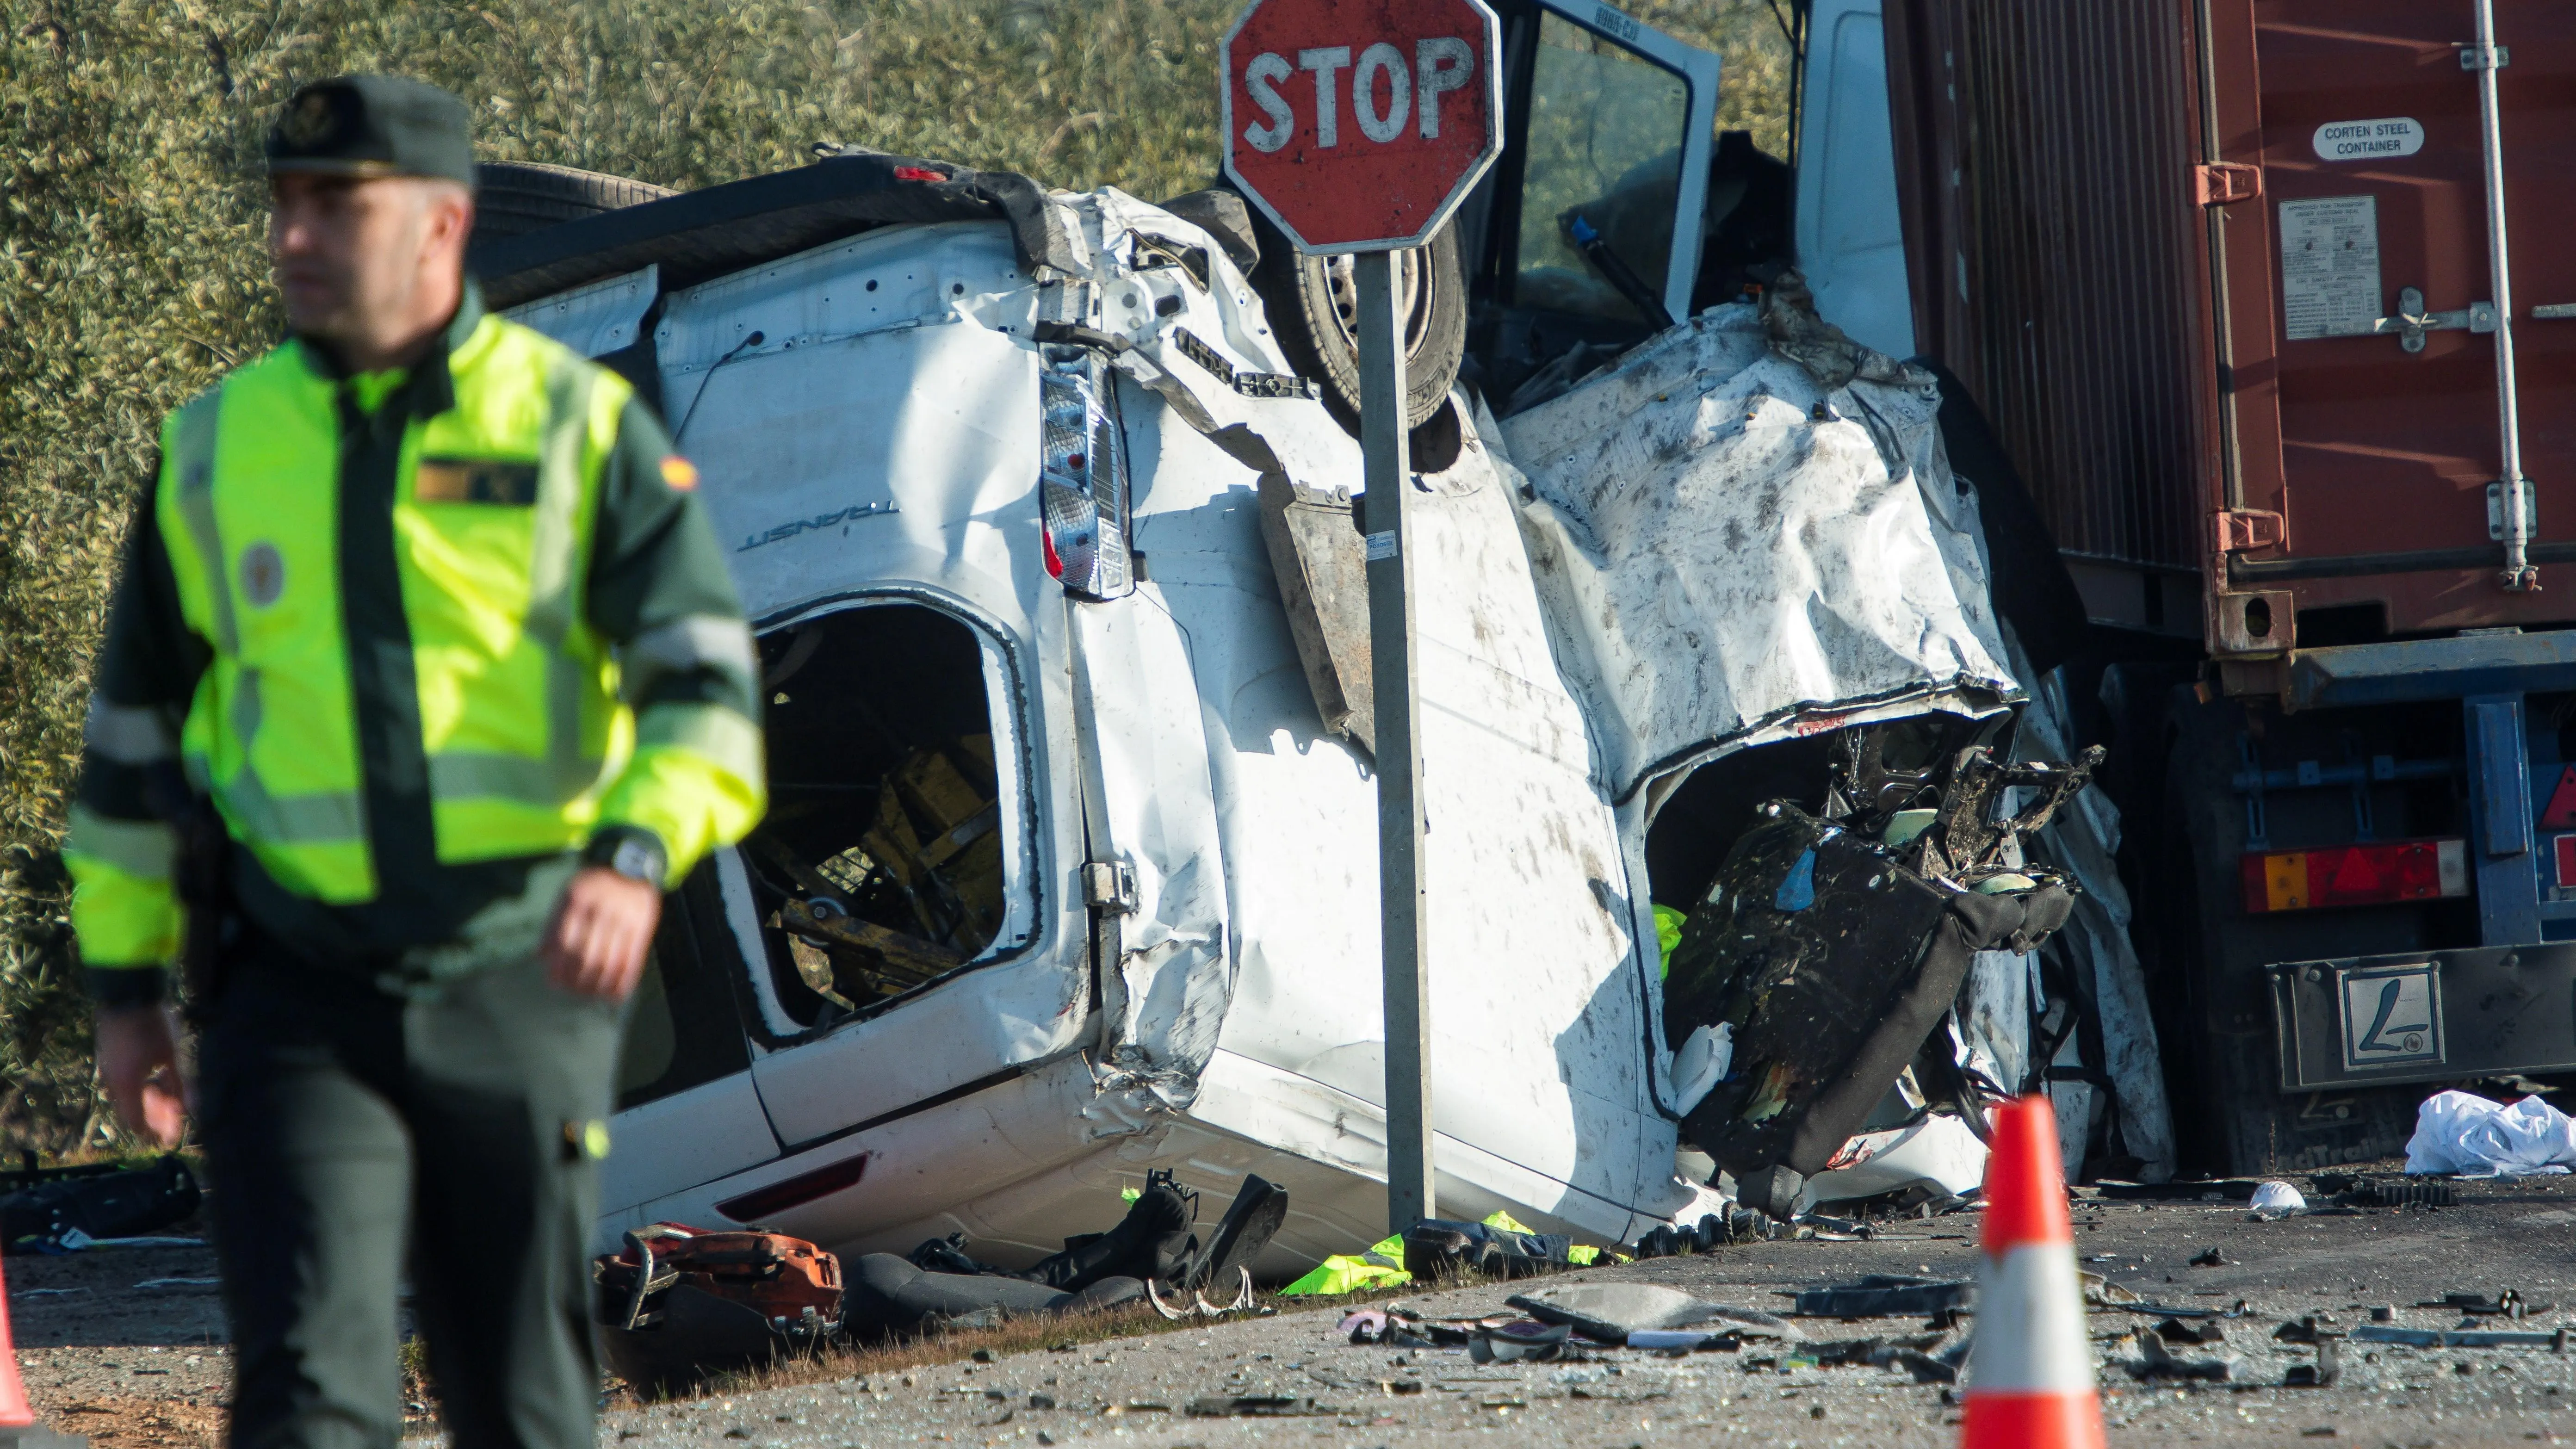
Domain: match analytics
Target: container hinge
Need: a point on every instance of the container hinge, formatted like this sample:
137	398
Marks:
2243	528
2554	312
2412	321
2221	182
2474	57
1109	885
2495	511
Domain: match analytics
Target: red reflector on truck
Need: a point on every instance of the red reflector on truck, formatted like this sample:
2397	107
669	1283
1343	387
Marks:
2355	875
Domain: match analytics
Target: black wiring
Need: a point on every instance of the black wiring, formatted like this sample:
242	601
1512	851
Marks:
754	340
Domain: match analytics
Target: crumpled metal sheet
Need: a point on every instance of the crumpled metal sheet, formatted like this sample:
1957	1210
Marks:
1539	1088
1736	551
1148	761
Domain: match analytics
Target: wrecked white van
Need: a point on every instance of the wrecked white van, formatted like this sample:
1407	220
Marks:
1071	868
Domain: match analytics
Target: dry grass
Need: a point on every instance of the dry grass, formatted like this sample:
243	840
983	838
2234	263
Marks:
1016	1336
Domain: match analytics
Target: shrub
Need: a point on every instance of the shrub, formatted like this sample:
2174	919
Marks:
131	270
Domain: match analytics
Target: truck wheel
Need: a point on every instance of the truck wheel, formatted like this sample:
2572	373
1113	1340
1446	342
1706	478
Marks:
513	198
1313	306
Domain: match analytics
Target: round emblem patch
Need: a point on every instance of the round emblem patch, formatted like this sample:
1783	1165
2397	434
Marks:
311	120
263	574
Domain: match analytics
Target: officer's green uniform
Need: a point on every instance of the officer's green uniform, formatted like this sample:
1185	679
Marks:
428	640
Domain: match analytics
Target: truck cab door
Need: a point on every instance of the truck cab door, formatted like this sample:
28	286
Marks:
1607	120
1851	239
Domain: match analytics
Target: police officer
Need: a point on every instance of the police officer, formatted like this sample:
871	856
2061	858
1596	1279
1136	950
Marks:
422	610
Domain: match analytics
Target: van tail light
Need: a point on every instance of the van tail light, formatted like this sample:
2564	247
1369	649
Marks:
2355	875
1082	475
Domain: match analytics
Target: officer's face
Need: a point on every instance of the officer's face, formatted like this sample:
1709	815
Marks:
354	256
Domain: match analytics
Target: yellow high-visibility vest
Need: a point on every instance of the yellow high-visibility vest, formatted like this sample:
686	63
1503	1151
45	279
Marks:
529	747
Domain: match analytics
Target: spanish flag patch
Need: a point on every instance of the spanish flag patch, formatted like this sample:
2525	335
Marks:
679	472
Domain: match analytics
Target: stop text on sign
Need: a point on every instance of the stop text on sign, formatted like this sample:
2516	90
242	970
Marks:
1387	97
1360	124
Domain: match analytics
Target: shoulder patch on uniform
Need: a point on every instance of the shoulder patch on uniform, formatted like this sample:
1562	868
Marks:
679	472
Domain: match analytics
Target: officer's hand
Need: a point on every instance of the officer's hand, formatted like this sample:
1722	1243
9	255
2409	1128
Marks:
138	1059
602	929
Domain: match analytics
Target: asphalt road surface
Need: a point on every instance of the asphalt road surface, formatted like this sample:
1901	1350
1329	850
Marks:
91	1361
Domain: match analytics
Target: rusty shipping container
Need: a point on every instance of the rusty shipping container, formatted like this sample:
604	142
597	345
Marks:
2274	304
2222	275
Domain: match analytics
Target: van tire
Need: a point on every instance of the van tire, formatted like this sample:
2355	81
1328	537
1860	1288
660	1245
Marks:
1313	306
513	198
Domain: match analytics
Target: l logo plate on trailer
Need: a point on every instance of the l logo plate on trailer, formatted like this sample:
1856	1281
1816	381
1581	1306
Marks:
2392	1016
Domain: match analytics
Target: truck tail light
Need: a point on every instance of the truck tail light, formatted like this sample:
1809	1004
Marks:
2355	875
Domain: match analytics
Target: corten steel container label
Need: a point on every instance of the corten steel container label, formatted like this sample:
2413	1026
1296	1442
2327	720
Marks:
2369	140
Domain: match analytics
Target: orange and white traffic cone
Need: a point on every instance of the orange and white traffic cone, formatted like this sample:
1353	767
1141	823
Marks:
2030	1373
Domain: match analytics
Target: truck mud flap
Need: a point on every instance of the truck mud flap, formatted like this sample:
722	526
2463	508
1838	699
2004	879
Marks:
2425	1016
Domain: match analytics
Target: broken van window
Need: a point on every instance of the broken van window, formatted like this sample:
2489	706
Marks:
1605	135
682	1026
881	864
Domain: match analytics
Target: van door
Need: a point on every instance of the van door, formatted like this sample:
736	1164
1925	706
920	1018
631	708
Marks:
1851	241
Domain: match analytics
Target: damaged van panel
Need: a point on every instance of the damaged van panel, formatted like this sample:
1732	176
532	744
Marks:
1739	549
1164	978
1072	873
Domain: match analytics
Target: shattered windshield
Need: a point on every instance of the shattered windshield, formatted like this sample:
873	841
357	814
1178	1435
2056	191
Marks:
1606	128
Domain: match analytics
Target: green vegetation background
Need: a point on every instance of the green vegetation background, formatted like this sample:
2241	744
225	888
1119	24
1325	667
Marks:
132	273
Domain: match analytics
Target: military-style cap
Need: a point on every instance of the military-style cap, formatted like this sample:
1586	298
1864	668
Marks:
373	125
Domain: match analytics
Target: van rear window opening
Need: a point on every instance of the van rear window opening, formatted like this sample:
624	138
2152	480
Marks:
880	865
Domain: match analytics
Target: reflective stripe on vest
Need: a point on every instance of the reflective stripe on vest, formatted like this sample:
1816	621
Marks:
494	506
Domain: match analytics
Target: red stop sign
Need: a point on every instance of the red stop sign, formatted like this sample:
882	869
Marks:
1360	124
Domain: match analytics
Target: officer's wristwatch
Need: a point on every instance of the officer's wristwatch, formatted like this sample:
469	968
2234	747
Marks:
634	853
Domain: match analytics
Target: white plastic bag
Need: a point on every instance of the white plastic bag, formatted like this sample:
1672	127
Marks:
2473	1137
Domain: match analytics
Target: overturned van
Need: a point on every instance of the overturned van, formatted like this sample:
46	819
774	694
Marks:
1046	529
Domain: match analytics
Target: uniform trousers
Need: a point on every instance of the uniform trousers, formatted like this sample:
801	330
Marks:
358	1125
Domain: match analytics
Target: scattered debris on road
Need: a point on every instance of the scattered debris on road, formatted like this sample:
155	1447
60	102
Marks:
67	1209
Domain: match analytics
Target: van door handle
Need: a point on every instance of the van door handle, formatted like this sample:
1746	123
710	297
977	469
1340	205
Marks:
2412	321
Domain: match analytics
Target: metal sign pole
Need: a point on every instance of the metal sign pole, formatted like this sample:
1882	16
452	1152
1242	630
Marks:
1387	478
